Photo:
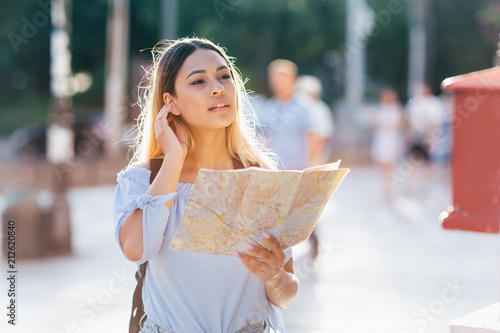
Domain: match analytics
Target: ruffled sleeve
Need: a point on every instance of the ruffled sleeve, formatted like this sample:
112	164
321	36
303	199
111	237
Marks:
130	194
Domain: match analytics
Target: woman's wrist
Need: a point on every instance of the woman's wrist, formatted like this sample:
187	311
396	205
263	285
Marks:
282	288
176	154
279	278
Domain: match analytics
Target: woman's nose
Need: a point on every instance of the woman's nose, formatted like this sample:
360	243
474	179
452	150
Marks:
217	88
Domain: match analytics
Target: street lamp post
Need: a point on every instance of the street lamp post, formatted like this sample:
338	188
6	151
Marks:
115	99
418	46
60	135
169	19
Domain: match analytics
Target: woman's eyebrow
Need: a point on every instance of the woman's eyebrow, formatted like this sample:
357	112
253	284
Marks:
202	71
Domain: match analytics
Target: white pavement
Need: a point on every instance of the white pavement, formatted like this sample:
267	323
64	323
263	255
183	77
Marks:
382	268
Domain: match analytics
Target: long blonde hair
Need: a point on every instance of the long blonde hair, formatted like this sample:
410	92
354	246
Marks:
242	140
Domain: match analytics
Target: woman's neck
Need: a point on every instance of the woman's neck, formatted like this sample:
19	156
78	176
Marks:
210	152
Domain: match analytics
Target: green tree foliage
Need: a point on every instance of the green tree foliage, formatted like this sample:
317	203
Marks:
457	44
307	32
257	32
24	63
387	47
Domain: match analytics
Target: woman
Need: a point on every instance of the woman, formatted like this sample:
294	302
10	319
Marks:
192	118
387	142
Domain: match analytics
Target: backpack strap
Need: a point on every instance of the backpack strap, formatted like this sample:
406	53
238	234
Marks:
237	164
154	166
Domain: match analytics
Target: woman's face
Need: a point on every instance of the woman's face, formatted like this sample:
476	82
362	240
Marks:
205	91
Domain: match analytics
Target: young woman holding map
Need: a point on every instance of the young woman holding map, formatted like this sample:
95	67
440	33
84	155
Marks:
192	118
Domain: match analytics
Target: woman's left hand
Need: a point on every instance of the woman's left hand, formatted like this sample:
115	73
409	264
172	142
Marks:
266	263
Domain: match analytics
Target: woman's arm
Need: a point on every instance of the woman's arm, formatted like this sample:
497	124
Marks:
281	283
175	149
131	233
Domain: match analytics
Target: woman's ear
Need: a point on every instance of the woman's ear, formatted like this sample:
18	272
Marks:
169	99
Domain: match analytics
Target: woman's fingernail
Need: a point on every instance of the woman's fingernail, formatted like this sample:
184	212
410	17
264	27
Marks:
249	246
266	235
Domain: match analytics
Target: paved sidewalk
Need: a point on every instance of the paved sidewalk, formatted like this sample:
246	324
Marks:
382	268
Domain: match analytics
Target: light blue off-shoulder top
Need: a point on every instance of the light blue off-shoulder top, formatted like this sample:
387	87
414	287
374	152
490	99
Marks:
188	291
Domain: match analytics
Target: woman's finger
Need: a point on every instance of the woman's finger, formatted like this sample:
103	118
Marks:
276	248
159	118
259	269
164	111
265	255
164	132
163	120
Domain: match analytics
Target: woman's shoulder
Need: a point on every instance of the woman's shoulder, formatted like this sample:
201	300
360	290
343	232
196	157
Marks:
136	172
140	164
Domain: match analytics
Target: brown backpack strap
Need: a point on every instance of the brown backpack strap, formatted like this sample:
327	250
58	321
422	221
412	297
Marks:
239	165
154	166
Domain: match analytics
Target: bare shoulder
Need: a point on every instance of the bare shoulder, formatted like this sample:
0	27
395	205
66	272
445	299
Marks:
141	164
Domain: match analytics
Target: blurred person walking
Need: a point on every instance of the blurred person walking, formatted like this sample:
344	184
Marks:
191	118
288	125
425	120
387	142
441	154
309	91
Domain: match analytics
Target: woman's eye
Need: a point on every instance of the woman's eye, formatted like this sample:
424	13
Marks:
225	76
198	82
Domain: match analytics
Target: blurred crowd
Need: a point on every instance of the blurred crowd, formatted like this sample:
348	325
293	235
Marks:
415	137
408	142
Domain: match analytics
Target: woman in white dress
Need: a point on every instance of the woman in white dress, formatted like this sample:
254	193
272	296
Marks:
387	142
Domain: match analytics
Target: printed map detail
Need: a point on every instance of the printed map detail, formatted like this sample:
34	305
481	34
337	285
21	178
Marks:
229	208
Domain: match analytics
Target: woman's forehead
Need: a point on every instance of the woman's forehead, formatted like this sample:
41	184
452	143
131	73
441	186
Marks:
202	59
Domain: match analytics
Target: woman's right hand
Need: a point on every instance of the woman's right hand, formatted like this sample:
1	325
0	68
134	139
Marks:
170	142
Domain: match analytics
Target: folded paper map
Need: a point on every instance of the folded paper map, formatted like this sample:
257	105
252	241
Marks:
229	208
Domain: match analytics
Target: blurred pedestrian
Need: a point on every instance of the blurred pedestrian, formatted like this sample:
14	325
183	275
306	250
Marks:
288	124
191	118
441	154
425	117
286	121
309	89
387	142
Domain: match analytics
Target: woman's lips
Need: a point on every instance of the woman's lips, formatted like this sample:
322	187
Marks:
219	106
